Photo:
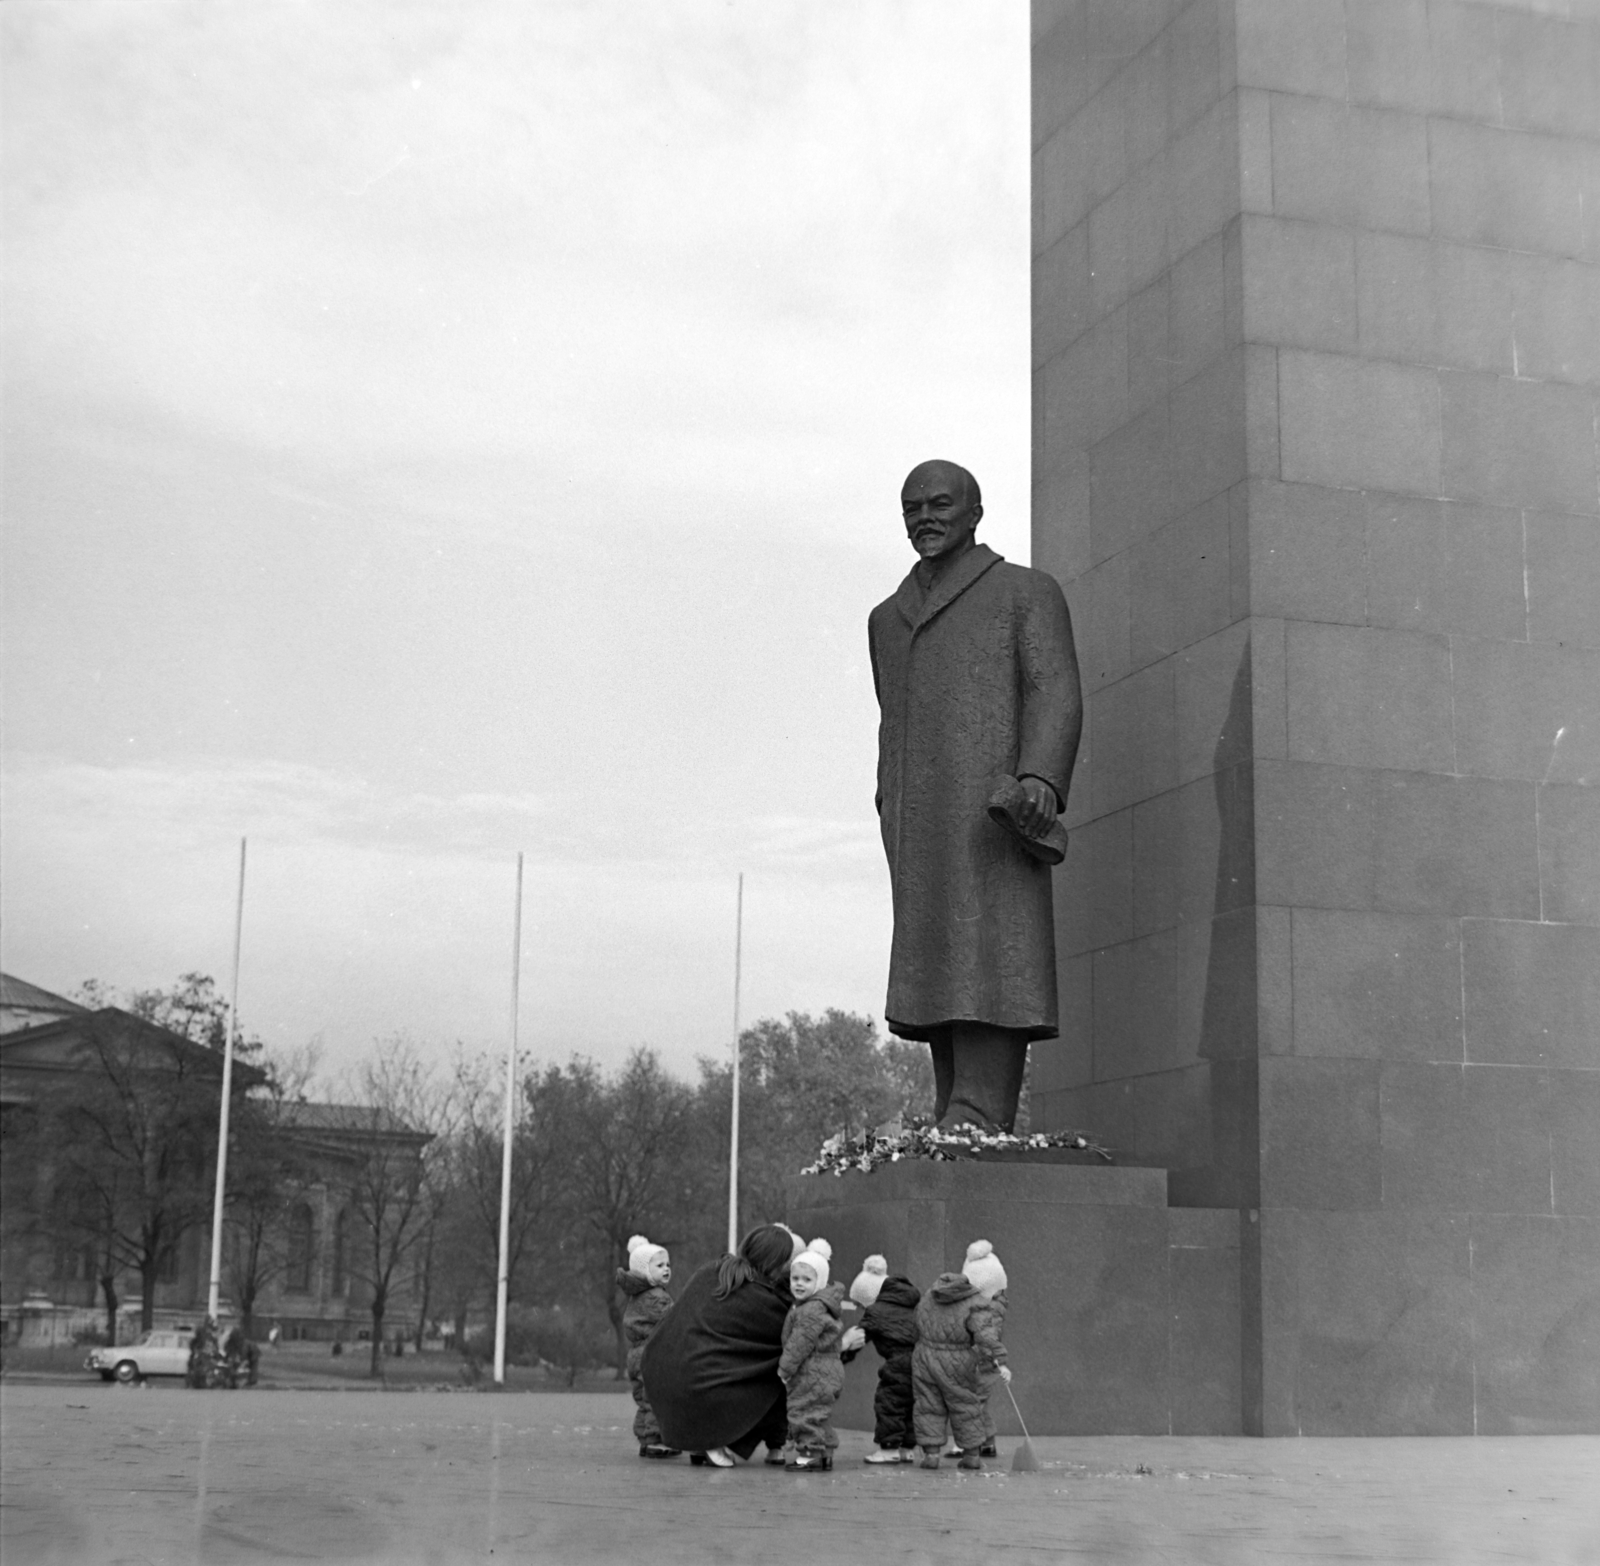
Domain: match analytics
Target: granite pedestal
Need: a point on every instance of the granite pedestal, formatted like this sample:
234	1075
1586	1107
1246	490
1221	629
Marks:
1124	1314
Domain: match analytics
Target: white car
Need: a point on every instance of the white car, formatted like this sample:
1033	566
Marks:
160	1353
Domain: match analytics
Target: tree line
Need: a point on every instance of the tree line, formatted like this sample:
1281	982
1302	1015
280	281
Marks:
118	1163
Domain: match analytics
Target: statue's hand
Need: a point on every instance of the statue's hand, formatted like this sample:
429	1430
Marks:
1037	812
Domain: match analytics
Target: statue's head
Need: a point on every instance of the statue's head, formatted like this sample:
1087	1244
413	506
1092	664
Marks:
941	506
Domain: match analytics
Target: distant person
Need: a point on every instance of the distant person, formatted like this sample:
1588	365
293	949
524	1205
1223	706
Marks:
889	1324
273	1334
810	1368
644	1280
711	1367
202	1354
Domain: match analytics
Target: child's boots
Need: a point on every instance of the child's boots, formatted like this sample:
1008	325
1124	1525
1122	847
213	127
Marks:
810	1459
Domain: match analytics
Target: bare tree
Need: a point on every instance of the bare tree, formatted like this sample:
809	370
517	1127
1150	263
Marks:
801	1080
466	1251
266	1168
392	1129
630	1163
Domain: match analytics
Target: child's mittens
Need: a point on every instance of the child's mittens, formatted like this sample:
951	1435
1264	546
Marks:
855	1338
1005	1372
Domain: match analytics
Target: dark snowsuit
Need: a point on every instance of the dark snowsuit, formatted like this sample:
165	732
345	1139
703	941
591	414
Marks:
891	1328
987	1378
647	1304
956	1341
811	1369
712	1366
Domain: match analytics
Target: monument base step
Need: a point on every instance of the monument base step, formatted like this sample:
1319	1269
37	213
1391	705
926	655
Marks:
1123	1314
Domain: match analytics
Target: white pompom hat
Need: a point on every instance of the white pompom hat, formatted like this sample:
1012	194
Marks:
983	1270
641	1253
864	1291
799	1244
816	1256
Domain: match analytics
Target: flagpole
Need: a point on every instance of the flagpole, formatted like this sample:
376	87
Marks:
733	1145
503	1275
214	1295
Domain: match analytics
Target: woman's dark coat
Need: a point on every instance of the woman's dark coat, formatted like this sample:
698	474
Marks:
811	1367
711	1367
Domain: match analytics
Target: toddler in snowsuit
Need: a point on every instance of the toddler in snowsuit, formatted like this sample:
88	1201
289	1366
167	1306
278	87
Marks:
983	1271
890	1326
810	1367
957	1341
644	1280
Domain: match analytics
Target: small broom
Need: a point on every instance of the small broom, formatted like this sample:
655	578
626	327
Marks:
1022	1460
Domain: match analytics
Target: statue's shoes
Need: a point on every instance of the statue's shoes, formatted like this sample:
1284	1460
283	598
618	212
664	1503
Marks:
1005	801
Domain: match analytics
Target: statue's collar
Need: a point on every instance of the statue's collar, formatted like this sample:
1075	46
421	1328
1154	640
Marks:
918	606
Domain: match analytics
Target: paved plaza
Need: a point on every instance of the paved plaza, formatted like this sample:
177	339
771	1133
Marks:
107	1474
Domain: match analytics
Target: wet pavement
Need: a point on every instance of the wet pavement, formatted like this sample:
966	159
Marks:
92	1473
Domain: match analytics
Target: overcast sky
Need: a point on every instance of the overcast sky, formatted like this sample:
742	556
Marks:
434	431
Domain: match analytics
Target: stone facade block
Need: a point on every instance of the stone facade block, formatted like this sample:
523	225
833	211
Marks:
1569	853
1506	188
1530	994
1398	842
1293	45
1351	167
1526	710
1299	284
1135	728
1354	423
1307	552
1443	567
1517	443
1367	698
1376	985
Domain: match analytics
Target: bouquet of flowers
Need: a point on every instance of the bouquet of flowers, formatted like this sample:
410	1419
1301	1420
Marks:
891	1142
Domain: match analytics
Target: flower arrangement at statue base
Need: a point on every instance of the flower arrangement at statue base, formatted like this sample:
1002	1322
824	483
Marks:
891	1143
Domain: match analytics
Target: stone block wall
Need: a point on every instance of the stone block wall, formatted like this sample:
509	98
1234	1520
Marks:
1317	346
1123	1313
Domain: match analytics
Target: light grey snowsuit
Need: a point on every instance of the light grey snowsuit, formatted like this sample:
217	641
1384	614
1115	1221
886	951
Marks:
986	1378
957	1339
810	1367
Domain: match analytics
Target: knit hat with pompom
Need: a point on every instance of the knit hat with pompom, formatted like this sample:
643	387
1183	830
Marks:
864	1291
816	1256
799	1244
983	1270
641	1253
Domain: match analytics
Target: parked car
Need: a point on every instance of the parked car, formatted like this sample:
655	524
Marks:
161	1353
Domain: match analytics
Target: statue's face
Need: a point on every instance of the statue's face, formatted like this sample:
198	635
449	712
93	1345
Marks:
939	516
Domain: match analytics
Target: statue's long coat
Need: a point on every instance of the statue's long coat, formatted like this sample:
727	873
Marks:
976	677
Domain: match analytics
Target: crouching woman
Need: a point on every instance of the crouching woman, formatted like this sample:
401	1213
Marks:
711	1369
